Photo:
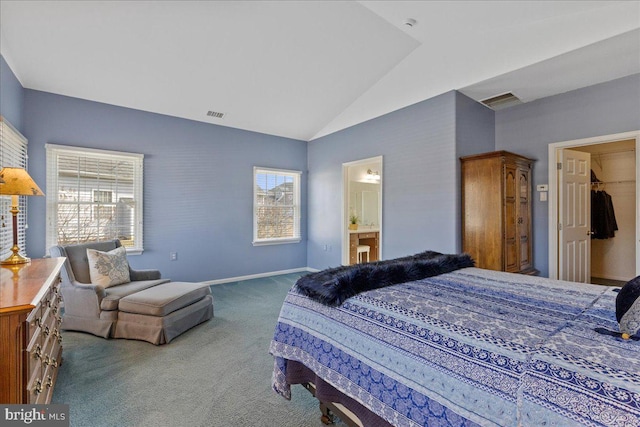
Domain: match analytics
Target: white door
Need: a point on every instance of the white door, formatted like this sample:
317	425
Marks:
574	208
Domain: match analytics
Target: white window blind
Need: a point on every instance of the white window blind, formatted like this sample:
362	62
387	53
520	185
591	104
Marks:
276	206
94	195
13	153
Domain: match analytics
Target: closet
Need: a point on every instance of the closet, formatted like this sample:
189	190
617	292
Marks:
614	170
496	211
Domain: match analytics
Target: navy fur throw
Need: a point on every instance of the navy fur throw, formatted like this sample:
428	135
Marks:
333	286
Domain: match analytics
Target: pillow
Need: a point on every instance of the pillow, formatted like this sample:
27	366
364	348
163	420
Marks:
628	308
108	268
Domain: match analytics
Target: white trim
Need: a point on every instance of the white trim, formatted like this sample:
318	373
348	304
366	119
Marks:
553	191
282	241
260	275
344	231
110	153
53	151
297	205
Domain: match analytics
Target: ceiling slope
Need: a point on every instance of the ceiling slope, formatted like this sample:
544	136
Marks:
305	69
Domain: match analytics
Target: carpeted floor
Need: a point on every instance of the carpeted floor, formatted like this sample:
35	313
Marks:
216	374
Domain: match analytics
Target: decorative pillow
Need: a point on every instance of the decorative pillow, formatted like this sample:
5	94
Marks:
628	308
108	268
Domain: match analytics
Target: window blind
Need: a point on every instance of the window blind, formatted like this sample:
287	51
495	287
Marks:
94	195
13	153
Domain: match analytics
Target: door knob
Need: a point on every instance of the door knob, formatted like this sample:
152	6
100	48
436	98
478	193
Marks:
589	232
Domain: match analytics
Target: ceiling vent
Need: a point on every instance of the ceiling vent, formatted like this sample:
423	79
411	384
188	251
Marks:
502	101
215	114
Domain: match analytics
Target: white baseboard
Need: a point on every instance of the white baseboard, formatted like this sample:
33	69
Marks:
259	275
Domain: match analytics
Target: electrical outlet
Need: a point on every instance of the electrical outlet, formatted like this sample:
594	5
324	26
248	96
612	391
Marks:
173	256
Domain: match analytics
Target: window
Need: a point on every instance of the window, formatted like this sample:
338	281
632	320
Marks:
94	195
13	153
276	206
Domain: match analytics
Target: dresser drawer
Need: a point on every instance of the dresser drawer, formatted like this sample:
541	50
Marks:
368	235
34	321
34	367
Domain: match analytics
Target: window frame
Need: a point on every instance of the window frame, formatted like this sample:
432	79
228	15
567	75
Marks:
296	205
53	151
13	153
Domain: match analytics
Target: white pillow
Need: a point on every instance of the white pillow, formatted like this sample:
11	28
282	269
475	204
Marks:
108	268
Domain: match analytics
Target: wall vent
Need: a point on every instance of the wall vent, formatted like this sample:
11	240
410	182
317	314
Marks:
215	114
504	100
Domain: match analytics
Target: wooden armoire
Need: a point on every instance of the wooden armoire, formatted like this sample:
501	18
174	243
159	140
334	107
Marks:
496	211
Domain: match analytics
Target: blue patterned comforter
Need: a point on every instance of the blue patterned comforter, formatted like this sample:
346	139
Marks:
471	347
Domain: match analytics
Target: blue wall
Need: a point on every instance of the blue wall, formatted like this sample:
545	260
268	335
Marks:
205	213
11	96
475	133
198	184
420	145
528	129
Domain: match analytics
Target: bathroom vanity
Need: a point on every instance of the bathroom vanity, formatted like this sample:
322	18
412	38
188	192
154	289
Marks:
369	237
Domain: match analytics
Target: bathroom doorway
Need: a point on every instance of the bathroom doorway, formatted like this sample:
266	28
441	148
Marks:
362	211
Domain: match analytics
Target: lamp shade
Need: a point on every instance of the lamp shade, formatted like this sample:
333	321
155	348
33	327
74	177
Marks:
17	182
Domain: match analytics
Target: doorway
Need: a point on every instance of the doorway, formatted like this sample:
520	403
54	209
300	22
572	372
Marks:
362	211
605	259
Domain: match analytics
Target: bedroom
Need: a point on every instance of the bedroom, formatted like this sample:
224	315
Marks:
207	221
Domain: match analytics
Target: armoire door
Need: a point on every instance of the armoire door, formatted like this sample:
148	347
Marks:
523	218
511	225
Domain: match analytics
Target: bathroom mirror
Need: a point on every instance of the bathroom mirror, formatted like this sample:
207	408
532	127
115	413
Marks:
362	211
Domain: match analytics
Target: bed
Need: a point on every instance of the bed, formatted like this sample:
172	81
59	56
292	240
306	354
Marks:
463	348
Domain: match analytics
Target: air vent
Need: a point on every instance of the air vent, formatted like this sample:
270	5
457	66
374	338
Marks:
502	101
215	114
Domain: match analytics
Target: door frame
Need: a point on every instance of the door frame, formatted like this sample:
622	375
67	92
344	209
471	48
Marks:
553	191
345	205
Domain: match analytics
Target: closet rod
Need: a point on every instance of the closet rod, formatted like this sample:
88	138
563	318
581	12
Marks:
626	181
604	153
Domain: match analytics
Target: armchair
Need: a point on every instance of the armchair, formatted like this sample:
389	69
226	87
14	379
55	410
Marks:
89	307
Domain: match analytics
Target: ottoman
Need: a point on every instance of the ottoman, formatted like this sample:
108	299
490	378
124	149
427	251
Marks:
161	313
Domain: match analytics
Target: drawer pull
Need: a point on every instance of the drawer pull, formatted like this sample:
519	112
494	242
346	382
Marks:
38	322
38	387
49	382
37	354
46	331
47	360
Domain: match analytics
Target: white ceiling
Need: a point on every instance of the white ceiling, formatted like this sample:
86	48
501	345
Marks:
305	69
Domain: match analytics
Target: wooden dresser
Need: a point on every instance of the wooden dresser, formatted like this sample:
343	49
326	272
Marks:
496	211
30	340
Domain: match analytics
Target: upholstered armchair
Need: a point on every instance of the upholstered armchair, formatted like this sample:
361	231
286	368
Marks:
89	307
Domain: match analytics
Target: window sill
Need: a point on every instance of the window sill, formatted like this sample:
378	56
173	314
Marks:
275	242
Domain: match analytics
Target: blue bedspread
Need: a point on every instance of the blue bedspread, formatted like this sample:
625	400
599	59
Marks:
471	347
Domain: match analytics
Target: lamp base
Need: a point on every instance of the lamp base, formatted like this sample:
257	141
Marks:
15	258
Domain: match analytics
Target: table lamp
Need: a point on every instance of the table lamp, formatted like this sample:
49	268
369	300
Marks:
17	182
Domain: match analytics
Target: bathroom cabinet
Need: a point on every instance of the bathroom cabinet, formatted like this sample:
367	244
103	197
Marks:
363	237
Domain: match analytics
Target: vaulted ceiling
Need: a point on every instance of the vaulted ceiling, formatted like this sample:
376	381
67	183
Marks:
305	69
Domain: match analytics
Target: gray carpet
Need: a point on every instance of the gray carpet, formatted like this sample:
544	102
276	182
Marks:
216	374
